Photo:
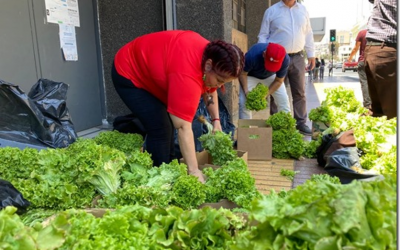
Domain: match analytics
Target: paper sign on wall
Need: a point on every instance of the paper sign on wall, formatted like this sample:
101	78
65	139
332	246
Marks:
63	12
68	42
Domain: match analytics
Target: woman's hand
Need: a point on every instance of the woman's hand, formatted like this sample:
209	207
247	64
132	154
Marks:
216	125
198	174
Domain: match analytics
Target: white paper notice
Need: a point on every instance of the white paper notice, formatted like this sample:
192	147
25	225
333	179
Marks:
63	12
68	42
73	12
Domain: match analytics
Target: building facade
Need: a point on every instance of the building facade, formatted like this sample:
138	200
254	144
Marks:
30	45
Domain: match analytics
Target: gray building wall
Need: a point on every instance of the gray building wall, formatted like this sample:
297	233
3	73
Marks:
121	21
254	14
213	20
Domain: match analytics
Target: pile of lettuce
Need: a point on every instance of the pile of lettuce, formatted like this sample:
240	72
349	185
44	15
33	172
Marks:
130	227
323	214
375	136
94	173
287	142
319	214
63	178
219	145
170	184
340	109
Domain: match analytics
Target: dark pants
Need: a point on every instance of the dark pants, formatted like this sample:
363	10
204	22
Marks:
380	68
152	113
321	72
364	85
295	78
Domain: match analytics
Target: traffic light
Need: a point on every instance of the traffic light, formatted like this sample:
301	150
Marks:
333	36
332	47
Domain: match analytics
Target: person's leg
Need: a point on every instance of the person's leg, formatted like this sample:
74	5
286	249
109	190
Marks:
243	112
152	113
280	96
364	85
380	68
296	80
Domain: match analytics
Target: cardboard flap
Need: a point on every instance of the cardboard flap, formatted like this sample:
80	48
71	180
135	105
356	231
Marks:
248	123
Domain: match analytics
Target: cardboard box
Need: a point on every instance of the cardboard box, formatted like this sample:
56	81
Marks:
204	158
255	137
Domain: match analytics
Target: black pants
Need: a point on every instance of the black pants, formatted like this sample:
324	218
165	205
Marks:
152	113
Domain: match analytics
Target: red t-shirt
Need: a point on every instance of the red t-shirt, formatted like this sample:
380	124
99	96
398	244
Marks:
167	64
361	38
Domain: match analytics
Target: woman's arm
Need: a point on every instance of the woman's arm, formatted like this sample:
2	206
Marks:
186	144
213	110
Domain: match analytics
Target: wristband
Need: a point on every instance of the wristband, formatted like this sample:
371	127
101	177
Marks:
215	119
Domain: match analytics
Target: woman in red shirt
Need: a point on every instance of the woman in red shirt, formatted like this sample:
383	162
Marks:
161	77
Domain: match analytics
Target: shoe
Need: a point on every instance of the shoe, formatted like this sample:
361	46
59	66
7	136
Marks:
303	129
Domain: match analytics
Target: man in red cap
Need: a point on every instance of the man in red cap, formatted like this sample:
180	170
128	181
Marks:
265	63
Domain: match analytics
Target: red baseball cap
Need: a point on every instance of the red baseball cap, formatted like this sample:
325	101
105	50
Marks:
274	56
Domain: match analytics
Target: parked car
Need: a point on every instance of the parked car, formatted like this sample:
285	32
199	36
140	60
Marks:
338	65
349	66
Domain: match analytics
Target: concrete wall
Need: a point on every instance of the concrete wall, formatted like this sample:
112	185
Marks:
121	21
213	20
254	14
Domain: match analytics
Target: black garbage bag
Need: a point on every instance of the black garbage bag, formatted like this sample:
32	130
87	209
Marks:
41	118
331	143
345	164
10	196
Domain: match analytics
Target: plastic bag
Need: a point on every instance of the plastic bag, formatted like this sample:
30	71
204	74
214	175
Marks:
331	143
42	118
10	196
345	164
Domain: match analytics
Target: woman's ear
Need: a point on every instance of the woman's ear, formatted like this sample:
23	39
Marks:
208	65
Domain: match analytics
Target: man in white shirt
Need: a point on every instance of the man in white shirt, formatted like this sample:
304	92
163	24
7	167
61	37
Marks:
287	23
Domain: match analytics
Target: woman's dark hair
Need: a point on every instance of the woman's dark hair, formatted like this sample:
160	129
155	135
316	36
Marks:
226	57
